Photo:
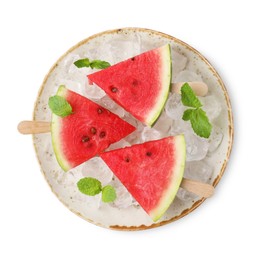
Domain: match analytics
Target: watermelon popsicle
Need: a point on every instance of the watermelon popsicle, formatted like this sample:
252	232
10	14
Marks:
140	84
87	132
152	172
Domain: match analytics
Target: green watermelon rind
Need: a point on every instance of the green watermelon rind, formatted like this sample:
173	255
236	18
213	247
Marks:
178	172
55	134
166	83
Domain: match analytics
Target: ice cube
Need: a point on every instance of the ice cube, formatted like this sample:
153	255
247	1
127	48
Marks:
123	197
69	61
121	144
215	139
131	120
94	92
180	127
134	137
122	48
198	170
163	124
108	103
149	134
196	147
174	107
211	106
185	195
76	86
93	202
178	64
187	76
96	168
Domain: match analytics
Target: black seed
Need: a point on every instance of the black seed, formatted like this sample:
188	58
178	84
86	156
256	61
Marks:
93	130
127	159
114	90
102	134
148	153
133	58
85	139
100	110
135	82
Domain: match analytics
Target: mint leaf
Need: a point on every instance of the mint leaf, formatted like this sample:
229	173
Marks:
59	106
108	194
187	114
200	123
89	186
99	64
82	63
95	64
188	96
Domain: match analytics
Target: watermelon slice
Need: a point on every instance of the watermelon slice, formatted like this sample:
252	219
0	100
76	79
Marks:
151	172
88	131
140	84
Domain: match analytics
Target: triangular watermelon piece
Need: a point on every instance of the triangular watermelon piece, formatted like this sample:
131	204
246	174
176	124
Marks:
140	84
87	132
151	172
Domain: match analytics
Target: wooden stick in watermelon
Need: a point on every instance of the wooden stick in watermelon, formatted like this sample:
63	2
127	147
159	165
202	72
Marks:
199	88
152	172
38	127
85	132
142	83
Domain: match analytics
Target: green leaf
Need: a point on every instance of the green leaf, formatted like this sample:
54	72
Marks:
108	194
99	64
95	64
89	186
200	123
59	106
188	96
187	114
82	63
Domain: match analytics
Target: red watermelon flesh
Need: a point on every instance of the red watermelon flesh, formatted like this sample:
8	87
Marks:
87	132
151	172
140	84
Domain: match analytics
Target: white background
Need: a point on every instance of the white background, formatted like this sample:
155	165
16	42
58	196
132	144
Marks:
35	225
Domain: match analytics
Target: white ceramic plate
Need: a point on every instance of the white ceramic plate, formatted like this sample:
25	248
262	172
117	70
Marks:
129	42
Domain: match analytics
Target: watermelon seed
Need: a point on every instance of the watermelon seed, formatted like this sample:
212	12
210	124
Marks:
135	82
102	134
133	58
85	139
100	110
93	130
148	153
127	159
114	90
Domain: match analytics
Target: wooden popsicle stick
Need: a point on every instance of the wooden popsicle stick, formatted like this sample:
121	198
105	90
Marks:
33	127
199	188
199	88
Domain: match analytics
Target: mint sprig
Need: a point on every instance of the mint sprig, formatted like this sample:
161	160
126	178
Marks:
91	187
94	64
59	106
196	115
